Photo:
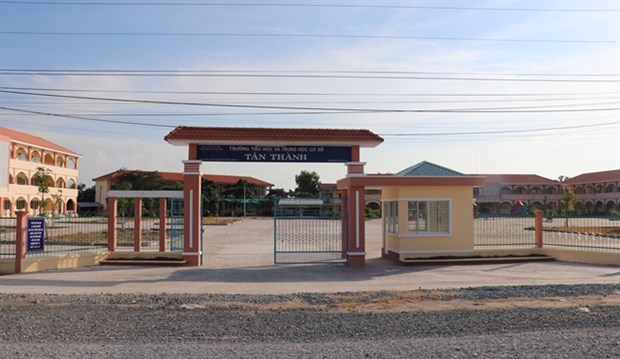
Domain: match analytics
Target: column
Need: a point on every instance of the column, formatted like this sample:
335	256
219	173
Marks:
137	224
163	237
356	215
344	215
192	216
356	255
20	239
112	214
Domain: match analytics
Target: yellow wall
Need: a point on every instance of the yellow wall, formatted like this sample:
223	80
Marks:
461	237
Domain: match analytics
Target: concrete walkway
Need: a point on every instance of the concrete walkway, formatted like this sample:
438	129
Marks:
239	260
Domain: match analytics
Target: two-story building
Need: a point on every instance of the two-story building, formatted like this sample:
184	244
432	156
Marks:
596	192
22	155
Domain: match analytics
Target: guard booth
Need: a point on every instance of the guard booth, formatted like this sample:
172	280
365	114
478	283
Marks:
275	145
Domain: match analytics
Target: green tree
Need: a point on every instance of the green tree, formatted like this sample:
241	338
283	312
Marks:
43	180
86	194
211	199
141	181
567	202
241	189
308	184
276	192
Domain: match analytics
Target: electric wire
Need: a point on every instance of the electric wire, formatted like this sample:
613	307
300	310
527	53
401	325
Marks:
313	5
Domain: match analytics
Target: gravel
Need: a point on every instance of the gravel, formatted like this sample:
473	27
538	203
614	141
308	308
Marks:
311	325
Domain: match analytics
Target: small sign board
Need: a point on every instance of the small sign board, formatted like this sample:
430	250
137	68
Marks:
36	234
259	153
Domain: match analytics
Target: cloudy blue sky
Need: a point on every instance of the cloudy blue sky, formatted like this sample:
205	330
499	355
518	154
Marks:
476	86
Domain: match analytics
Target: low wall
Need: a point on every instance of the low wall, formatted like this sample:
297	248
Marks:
144	255
577	256
59	261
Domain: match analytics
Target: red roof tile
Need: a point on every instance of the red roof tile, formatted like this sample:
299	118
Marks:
220	135
177	176
516	179
593	177
36	141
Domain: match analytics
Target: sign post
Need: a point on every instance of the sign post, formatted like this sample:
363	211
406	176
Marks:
36	234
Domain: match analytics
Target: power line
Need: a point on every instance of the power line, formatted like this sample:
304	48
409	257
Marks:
494	94
276	35
84	118
148	73
298	5
498	131
400	135
525	109
296	72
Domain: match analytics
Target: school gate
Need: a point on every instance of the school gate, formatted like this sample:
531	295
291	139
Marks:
276	145
309	230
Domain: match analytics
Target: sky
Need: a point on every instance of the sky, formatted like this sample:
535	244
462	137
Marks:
476	86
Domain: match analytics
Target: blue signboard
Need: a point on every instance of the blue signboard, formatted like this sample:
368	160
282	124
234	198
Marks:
257	153
36	233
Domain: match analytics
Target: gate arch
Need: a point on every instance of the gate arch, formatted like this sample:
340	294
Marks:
277	145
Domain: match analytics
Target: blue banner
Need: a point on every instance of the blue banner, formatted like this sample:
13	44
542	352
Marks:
250	153
36	234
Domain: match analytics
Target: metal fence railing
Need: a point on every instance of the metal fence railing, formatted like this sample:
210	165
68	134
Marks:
72	235
7	237
150	229
504	231
583	233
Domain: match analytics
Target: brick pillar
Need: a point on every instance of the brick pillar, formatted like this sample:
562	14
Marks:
137	224
163	237
356	255
344	214
538	228
21	229
356	217
192	216
112	214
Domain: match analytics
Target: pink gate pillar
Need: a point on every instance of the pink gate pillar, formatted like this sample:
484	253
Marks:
163	237
192	216
112	233
356	217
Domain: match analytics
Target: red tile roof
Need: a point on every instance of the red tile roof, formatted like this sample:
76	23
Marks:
593	177
517	179
183	135
36	141
177	176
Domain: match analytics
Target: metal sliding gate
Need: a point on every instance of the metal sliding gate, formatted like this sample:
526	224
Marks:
309	230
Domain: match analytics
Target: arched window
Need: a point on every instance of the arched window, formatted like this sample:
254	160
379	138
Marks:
60	183
71	163
71	183
20	204
22	178
520	190
21	154
535	190
60	162
35	204
49	159
35	157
